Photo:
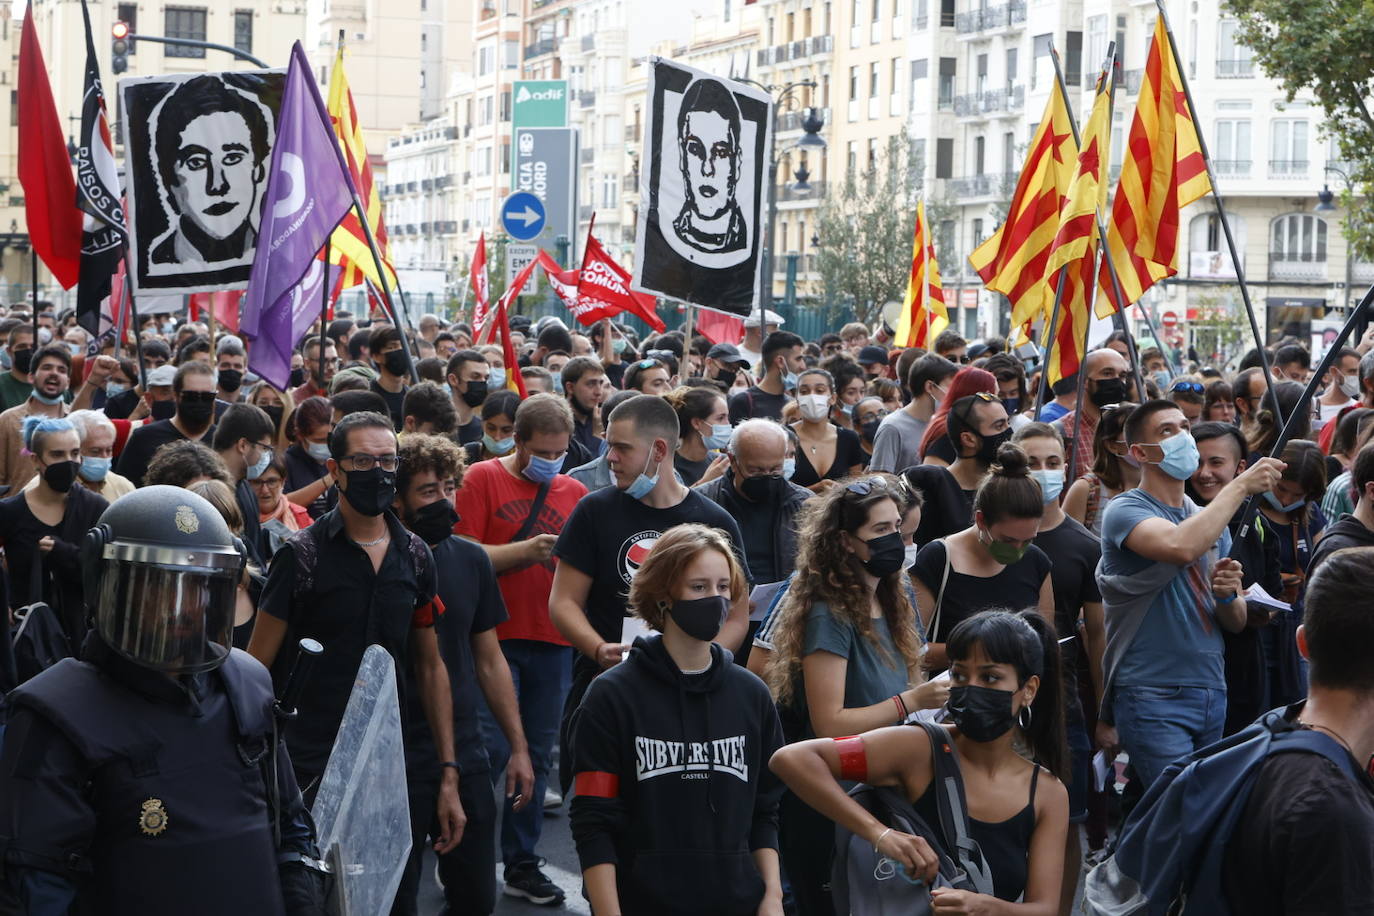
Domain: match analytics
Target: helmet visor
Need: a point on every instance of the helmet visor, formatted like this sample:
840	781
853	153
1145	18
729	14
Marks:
167	617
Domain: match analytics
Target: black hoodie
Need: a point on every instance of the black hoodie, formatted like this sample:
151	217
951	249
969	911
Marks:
681	835
1346	531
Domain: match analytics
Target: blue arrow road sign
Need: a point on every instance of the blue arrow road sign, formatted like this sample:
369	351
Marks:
522	215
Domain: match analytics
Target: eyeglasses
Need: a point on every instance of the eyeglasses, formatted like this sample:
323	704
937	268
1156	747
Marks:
263	483
368	462
1192	387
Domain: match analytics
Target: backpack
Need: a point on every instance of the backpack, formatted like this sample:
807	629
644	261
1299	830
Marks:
1170	856
865	883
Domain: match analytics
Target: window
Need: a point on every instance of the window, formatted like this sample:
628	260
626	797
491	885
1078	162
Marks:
486	60
14	108
946	14
128	14
1040	49
1288	148
920	13
944	157
184	22
806	23
1298	237
872	154
980	85
609	189
1097	39
1073	58
977	232
1233	59
1205	235
979	155
510	59
791	27
877	9
947	69
1009	153
873	80
727	10
1013	66
853	158
1232	155
853	83
505	106
825	19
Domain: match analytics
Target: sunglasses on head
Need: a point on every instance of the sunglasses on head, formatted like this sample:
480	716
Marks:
865	486
646	364
1193	387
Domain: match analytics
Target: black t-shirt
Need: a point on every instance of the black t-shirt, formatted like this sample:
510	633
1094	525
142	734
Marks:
1015	588
1304	845
948	507
1073	551
143	442
755	402
943	449
848	452
302	471
470	431
690	471
394	401
609	535
472	605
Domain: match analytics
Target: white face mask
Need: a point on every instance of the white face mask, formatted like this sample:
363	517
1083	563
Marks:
814	406
1350	385
910	551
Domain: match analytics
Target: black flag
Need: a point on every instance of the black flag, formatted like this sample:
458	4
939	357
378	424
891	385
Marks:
103	235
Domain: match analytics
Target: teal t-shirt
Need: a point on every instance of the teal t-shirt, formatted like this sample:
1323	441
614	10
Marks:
876	669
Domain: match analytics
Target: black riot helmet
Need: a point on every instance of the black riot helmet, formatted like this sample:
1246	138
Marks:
161	568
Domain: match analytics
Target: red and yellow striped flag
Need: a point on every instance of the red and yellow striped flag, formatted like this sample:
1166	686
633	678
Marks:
1012	262
1163	171
348	244
1076	241
924	314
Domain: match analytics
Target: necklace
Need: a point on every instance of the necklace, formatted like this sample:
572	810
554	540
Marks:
372	543
1335	734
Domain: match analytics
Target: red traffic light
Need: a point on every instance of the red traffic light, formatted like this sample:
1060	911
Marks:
120	30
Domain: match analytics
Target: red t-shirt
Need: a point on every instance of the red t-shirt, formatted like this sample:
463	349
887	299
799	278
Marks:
492	507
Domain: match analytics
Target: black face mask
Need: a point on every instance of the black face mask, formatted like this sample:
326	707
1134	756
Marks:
765	489
727	376
22	360
982	713
60	475
163	410
370	492
395	362
297	377
276	413
987	450
700	618
476	393
869	430
433	522
230	380
886	555
1107	391
196	411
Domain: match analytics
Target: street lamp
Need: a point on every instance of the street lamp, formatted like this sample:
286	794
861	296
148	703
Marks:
1325	204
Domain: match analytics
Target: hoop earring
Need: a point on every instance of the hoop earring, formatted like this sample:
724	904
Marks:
1023	718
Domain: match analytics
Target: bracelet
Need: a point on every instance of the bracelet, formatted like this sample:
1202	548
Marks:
879	841
448	763
901	706
1232	597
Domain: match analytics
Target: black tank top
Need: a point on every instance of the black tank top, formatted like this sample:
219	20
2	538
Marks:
1005	845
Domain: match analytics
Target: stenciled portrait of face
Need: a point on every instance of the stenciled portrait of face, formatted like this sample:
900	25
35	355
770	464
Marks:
709	158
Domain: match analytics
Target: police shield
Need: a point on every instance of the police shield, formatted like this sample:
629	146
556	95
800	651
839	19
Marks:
361	811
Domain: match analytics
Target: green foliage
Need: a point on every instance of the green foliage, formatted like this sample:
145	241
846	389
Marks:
1325	50
865	229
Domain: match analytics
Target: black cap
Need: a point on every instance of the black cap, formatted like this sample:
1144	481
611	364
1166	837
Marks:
976	350
871	355
725	353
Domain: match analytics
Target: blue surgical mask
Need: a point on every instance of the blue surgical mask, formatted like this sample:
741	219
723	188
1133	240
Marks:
643	483
255	469
789	467
6	362
496	378
318	450
1180	456
848	409
115	389
44	399
720	436
789	381
498	446
94	469
1280	507
1051	483
619	344
542	470
76	348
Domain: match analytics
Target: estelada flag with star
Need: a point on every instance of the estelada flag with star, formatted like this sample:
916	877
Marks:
1013	261
1074	249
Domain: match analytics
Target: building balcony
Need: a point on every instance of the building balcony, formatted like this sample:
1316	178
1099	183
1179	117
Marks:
788	192
539	48
584	212
1130	80
588	42
794	50
792	120
1235	68
1006	16
411	186
990	184
995	101
1288	169
427	184
633	133
1287	265
586	98
586	155
443	181
425	227
630	184
1234	168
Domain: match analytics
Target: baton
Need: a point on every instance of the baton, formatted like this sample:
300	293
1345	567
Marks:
1329	359
285	707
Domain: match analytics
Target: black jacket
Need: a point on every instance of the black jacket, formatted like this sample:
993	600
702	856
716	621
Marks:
673	785
1346	531
781	554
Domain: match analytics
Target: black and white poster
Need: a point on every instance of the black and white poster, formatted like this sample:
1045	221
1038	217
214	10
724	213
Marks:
703	187
197	149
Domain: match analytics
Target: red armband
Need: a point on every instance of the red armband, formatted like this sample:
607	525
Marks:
853	758
595	784
426	614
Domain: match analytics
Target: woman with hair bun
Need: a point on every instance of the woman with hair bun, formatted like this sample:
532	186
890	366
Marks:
992	563
703	433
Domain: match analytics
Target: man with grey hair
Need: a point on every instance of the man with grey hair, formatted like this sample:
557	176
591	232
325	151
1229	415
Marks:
429	326
231	361
1367	379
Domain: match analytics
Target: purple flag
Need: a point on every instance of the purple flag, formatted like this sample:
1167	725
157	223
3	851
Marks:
308	193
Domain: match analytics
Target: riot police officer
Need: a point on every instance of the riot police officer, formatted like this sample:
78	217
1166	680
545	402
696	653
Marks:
148	777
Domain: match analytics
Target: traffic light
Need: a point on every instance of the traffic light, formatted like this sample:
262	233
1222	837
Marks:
119	47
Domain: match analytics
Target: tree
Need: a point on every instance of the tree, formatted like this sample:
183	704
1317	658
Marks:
1327	50
865	234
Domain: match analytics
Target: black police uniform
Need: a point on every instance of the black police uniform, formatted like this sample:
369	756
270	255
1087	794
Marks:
132	792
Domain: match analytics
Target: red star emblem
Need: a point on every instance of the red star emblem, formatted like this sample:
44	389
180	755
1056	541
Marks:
1055	141
1090	161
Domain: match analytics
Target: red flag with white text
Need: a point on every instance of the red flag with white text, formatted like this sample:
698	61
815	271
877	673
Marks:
477	277
603	290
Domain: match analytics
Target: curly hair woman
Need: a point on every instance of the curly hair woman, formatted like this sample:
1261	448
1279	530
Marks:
846	651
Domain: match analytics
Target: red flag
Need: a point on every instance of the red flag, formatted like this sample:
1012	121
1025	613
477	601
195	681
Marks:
477	276
563	282
603	290
44	170
719	327
500	326
224	305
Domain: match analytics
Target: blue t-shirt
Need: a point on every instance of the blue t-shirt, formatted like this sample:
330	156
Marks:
1052	411
1179	642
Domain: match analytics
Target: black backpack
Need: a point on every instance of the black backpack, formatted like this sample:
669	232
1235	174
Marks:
865	883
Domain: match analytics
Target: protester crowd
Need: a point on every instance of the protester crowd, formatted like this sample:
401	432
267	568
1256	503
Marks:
715	582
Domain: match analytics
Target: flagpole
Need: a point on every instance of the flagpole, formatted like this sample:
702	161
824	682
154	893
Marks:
924	292
133	319
1082	363
324	310
1220	206
33	252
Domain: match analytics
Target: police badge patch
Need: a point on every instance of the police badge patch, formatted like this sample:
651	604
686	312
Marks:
153	820
187	520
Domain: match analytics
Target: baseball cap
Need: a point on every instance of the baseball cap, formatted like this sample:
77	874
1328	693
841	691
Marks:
725	353
162	376
769	317
870	355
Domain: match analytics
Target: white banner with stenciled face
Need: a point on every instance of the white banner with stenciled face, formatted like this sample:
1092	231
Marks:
197	149
703	188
